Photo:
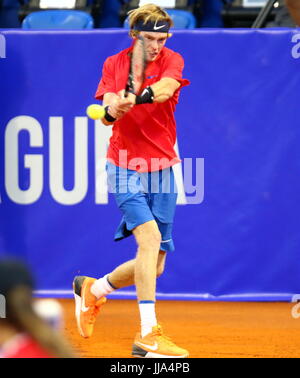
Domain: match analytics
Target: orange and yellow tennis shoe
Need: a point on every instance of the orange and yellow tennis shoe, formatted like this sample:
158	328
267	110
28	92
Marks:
156	345
87	306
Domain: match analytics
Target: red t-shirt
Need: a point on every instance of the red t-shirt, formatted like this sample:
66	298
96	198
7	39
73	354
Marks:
22	346
147	131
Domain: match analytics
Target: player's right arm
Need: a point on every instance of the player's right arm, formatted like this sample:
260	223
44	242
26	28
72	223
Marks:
116	105
108	99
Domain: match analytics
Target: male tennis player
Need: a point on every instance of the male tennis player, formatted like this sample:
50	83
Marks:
141	153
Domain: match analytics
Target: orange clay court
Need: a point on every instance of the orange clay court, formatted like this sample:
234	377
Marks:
206	329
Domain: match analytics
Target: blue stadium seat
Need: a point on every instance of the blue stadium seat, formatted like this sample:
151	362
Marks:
182	19
58	19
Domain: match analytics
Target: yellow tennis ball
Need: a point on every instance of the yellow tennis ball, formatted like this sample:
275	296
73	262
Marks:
95	111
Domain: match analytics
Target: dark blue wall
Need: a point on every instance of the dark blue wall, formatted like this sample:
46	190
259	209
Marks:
240	114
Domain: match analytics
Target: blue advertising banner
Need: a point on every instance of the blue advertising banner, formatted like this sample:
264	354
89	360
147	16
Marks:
236	229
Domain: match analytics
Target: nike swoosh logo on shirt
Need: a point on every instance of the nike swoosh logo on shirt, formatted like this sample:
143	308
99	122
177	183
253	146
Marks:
151	347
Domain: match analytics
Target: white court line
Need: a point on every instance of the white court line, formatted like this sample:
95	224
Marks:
261	296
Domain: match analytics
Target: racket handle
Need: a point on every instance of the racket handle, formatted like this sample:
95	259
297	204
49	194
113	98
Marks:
127	91
129	86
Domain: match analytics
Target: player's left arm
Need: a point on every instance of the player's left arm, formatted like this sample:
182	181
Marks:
164	89
160	91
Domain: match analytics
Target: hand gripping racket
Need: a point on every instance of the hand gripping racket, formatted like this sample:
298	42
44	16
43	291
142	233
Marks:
136	77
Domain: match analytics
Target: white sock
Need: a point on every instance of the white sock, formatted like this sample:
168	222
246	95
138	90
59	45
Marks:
102	287
148	317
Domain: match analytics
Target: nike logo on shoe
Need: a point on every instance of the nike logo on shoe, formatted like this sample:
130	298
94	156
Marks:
83	308
151	347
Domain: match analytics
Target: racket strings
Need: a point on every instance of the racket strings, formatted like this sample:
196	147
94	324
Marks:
138	67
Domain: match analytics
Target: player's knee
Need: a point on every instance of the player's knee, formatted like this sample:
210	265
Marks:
148	236
151	240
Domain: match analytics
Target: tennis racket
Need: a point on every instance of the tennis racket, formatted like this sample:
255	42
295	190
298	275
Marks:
138	63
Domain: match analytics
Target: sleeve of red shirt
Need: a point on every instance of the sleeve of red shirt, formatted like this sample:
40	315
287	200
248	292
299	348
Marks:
173	68
107	82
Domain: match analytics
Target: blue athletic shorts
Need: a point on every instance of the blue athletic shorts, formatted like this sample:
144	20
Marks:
143	197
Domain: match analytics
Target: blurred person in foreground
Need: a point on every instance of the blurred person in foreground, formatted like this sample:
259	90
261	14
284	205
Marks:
294	9
23	333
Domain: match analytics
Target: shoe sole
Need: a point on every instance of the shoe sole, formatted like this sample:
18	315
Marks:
138	352
77	284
